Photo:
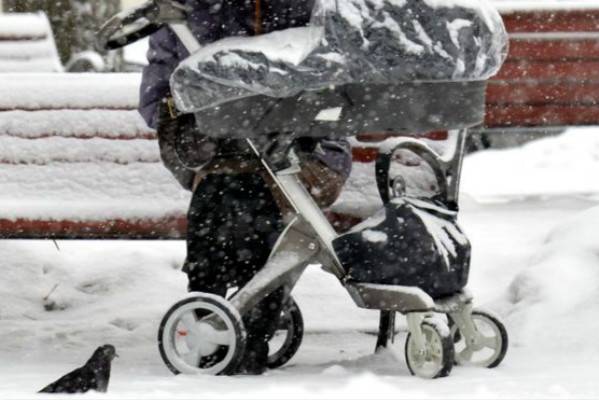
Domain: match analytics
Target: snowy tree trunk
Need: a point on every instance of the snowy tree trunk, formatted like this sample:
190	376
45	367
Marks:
74	23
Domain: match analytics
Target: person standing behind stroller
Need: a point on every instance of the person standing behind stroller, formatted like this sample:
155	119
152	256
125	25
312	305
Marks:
235	213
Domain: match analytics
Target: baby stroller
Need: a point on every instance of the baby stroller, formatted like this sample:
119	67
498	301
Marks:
361	66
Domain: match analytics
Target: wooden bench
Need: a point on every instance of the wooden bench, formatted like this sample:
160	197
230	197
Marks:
78	162
27	44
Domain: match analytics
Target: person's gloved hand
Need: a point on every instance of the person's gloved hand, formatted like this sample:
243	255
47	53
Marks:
323	183
168	128
305	145
192	148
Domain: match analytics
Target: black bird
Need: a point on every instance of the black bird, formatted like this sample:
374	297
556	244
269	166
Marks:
94	375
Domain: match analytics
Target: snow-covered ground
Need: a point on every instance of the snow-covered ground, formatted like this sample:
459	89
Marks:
532	216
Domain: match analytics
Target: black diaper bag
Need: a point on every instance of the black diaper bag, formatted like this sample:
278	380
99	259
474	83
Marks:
410	242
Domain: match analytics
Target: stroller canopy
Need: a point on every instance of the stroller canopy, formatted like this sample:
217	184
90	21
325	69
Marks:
349	42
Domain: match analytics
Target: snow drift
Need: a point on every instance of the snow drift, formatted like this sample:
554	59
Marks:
554	166
557	294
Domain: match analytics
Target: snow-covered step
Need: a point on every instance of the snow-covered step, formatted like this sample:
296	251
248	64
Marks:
24	50
23	26
69	91
76	123
89	191
72	150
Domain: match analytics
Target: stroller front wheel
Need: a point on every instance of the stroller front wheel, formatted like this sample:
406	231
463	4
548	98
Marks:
489	346
435	360
202	334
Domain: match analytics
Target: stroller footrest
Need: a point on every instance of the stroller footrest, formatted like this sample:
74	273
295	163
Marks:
453	303
403	299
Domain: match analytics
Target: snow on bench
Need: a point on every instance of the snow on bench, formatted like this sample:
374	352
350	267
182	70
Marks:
78	160
27	44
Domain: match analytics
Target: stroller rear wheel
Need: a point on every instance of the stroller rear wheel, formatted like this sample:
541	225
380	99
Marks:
288	337
435	360
202	334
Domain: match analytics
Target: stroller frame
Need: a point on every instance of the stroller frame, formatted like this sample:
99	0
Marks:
307	239
313	232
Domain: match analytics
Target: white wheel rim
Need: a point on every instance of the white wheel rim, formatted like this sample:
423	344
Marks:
487	347
199	339
427	362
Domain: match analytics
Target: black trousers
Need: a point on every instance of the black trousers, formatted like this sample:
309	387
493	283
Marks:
233	224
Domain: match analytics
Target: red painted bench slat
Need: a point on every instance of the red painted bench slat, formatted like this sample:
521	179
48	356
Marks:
535	93
550	71
511	115
149	135
552	21
554	50
164	228
380	136
59	107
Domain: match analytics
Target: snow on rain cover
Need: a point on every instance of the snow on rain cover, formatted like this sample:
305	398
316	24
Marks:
349	41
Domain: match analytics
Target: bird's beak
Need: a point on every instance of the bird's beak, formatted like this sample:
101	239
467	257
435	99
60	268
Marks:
116	355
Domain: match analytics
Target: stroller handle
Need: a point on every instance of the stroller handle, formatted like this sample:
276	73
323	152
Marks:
442	168
383	165
136	23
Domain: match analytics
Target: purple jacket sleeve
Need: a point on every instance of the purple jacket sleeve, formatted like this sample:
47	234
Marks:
163	58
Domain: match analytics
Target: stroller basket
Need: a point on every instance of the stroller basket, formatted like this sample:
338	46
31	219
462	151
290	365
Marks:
347	110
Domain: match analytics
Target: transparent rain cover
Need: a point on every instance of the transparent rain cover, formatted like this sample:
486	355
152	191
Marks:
349	41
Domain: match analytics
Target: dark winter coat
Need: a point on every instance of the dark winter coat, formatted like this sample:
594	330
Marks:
211	20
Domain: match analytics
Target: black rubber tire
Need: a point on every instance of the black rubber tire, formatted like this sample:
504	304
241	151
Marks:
237	323
502	333
457	335
292	320
447	352
504	337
